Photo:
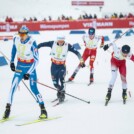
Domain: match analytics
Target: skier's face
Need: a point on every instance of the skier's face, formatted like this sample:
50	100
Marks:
60	42
91	36
124	55
23	36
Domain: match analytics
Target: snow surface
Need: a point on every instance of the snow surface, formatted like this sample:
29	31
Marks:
77	117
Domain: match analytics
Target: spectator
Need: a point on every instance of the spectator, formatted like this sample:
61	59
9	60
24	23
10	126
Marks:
106	16
59	19
115	15
24	19
130	15
95	16
90	16
80	17
8	19
44	19
30	19
70	18
86	16
63	17
121	15
49	18
35	19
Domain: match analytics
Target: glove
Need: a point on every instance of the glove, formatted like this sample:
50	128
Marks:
12	66
105	47
26	76
82	64
102	44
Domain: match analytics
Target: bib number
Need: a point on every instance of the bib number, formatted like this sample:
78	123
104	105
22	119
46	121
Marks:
59	51
21	50
90	43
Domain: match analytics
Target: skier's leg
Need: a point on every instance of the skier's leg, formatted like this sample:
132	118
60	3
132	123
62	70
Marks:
34	89
91	63
84	56
122	70
15	82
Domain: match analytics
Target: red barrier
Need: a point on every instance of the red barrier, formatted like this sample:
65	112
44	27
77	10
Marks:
6	37
69	25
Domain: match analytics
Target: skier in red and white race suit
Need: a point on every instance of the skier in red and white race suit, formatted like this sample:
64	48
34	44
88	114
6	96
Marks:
91	42
118	62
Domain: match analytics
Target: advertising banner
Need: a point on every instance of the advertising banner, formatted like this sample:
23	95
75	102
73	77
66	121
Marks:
68	25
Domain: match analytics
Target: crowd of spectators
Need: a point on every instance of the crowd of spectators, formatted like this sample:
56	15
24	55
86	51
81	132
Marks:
121	15
8	19
81	17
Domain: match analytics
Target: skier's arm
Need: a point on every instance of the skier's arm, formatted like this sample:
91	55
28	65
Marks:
34	49
131	56
46	44
73	50
83	38
105	47
13	53
102	41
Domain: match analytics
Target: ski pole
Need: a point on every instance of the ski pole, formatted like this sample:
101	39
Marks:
9	61
29	90
121	37
19	72
129	94
123	34
61	91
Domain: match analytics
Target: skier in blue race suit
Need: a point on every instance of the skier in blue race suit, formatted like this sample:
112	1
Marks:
27	59
59	50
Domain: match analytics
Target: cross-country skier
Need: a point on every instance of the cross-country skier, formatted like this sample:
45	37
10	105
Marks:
91	42
59	50
27	59
118	62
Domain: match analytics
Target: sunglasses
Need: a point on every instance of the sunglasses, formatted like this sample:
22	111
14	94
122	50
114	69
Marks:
22	34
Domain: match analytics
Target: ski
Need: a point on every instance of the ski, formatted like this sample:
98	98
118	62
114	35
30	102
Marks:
75	82
72	82
38	120
8	119
90	83
124	101
54	100
68	81
106	103
58	103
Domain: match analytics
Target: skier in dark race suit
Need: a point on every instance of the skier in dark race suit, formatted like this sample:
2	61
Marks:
59	50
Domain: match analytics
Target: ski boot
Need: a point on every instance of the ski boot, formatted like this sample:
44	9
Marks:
61	96
108	97
7	111
124	96
43	114
91	78
72	77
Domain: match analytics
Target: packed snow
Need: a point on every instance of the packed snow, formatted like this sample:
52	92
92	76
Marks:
78	117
